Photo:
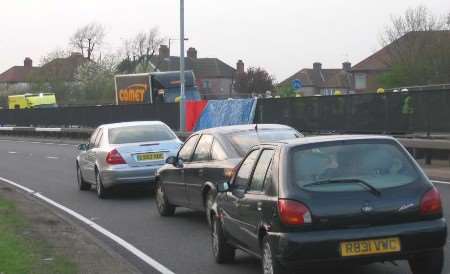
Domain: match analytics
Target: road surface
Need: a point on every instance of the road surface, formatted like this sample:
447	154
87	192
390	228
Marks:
181	243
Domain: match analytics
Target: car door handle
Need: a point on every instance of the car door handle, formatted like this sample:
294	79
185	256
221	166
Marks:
259	206
200	172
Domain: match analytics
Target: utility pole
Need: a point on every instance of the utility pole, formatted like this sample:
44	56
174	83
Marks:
182	80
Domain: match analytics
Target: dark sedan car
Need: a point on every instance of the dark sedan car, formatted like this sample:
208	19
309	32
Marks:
206	158
338	199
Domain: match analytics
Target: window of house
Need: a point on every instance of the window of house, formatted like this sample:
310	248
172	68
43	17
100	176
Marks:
206	84
360	81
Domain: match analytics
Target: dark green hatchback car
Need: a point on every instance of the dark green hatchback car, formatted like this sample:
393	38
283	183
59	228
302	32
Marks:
335	199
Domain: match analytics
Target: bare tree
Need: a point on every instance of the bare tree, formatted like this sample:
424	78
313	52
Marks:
54	54
418	48
140	50
88	39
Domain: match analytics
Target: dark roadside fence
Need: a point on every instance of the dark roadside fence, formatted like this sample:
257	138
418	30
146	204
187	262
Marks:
388	113
90	116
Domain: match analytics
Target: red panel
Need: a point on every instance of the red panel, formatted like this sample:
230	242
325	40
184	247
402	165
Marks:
193	111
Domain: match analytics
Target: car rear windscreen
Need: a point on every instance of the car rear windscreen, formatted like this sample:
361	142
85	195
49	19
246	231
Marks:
140	134
382	165
243	141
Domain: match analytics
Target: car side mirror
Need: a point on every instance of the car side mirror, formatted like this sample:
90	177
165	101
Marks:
172	160
223	187
83	147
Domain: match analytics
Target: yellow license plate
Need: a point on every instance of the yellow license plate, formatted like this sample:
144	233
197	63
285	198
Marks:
369	247
153	156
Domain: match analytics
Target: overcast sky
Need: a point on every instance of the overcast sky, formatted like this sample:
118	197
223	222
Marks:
282	36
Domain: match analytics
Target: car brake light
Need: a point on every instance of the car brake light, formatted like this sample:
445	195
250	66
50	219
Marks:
293	213
431	203
114	158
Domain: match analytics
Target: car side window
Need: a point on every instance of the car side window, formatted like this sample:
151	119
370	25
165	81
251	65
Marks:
99	138
261	169
245	171
217	152
187	149
93	137
203	150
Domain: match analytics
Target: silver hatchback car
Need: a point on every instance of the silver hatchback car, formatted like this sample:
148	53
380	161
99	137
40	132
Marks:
124	153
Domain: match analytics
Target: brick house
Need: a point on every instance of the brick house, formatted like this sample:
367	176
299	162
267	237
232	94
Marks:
366	73
214	77
320	81
19	79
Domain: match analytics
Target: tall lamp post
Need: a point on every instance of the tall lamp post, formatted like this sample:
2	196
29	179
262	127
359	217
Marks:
182	80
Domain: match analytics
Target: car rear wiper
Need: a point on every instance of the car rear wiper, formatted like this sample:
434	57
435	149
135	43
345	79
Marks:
370	187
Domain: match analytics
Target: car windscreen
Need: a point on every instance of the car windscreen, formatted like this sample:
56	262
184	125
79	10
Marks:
140	134
344	167
244	140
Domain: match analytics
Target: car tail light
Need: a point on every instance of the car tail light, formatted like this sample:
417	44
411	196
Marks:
114	158
431	203
293	213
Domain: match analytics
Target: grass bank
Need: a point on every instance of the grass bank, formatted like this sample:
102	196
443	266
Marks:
22	251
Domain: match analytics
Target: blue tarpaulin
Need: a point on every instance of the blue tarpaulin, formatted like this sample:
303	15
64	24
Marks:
219	113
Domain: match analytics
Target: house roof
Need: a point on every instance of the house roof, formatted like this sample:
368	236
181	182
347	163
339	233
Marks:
17	74
382	59
323	78
60	68
202	67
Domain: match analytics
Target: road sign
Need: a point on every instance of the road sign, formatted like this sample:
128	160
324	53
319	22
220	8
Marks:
296	85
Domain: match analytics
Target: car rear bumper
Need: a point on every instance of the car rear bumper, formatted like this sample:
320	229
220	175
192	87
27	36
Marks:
304	248
129	175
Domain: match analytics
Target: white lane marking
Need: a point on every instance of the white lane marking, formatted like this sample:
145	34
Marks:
441	182
138	253
36	142
52	157
12	152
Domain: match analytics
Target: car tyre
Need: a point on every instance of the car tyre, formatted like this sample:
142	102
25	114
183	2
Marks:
102	193
209	201
162	203
428	263
82	184
222	251
270	264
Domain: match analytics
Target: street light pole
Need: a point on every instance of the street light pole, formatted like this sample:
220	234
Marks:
182	80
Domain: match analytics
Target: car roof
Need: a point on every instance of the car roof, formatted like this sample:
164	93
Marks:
129	124
238	128
328	138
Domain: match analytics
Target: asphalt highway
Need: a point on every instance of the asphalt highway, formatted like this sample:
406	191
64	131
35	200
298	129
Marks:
181	243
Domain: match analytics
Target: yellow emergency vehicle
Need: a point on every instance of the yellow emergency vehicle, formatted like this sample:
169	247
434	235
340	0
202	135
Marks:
29	100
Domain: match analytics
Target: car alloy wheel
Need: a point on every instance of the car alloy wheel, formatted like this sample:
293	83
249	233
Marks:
162	203
270	265
267	260
215	240
223	252
210	197
101	191
82	185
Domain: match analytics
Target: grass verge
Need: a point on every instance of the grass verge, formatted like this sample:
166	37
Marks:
22	251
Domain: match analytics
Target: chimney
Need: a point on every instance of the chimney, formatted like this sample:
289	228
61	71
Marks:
164	51
317	66
192	53
240	67
28	63
346	66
